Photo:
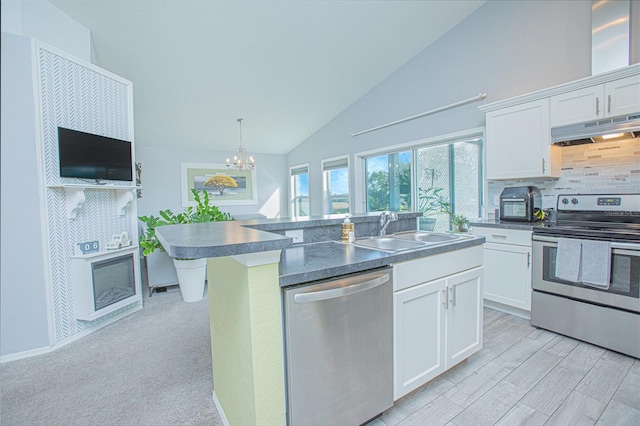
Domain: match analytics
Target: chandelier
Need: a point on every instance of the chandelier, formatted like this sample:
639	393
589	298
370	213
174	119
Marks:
242	160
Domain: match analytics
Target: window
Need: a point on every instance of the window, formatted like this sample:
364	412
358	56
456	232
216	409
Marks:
300	190
388	182
452	173
335	174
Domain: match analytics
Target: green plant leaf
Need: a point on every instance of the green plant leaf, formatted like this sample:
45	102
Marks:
203	212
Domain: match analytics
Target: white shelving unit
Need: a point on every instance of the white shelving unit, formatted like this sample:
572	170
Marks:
75	196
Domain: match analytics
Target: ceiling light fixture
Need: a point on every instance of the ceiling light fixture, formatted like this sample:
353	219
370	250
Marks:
242	160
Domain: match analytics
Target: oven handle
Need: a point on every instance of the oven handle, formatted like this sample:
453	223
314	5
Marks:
622	248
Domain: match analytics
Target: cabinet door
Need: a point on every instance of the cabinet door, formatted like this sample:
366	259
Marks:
464	316
507	271
577	106
418	336
623	96
518	142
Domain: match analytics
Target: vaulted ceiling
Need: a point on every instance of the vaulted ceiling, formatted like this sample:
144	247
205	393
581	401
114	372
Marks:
286	67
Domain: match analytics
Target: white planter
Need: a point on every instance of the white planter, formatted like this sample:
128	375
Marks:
191	276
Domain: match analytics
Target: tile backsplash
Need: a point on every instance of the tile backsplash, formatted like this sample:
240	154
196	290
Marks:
605	167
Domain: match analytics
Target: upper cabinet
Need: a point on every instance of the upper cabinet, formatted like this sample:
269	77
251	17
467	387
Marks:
622	96
611	99
518	130
519	142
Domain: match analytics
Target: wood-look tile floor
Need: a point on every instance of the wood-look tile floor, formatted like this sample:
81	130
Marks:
526	376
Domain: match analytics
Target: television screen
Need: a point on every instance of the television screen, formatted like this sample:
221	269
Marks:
88	156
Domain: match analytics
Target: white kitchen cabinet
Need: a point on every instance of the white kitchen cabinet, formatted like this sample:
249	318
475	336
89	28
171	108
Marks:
518	142
419	345
611	99
438	322
622	96
507	264
464	316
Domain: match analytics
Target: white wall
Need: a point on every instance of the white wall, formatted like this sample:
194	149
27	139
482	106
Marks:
162	187
25	322
505	48
43	21
23	306
161	181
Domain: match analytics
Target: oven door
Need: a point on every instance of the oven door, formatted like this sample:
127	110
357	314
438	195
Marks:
623	293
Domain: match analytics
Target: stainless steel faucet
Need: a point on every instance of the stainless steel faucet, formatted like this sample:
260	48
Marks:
385	219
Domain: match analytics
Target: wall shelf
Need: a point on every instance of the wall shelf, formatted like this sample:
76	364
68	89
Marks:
106	253
75	196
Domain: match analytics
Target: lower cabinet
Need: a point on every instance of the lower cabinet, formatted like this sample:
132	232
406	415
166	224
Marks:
437	324
508	275
507	268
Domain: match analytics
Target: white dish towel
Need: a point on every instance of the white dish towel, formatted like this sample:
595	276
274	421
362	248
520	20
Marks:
568	255
595	261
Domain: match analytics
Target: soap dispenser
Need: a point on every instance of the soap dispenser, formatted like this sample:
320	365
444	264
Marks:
348	230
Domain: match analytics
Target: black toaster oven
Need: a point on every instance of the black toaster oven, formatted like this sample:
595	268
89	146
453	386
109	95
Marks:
520	204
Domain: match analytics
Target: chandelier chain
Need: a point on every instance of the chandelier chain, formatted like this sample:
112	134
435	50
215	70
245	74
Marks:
242	160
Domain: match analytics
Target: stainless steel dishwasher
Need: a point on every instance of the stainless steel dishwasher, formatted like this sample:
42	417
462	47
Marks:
338	339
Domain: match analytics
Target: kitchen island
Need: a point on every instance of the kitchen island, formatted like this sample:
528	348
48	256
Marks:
247	267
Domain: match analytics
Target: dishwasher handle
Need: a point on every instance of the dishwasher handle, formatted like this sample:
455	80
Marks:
335	293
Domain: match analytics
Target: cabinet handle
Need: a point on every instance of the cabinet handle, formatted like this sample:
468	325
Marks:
452	296
445	299
499	237
528	260
597	106
543	165
609	104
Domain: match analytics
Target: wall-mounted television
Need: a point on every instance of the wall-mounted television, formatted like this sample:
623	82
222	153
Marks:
88	156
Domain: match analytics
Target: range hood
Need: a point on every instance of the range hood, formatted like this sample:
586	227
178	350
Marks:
603	130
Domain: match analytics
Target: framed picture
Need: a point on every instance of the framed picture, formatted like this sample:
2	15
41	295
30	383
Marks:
225	186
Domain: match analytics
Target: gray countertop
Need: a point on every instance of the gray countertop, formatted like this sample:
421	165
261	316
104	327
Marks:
497	223
217	239
317	261
300	263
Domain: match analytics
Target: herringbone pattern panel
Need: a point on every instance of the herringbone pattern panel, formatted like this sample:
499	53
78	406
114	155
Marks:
80	98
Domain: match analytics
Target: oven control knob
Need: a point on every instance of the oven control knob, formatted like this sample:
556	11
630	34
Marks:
574	201
565	201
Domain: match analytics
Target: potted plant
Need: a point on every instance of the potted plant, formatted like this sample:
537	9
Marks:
191	272
460	223
431	202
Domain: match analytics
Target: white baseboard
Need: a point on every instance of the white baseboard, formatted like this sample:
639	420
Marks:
46	349
220	410
508	309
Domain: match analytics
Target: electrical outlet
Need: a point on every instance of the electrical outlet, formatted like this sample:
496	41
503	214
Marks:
296	234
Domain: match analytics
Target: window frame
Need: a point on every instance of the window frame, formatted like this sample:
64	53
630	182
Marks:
295	171
360	198
475	139
325	192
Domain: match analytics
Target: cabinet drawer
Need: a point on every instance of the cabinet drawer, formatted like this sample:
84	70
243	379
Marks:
418	271
504	236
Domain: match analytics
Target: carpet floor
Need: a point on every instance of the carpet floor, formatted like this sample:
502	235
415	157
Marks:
150	368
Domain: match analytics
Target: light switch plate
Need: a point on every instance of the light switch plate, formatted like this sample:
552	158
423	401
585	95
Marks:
296	234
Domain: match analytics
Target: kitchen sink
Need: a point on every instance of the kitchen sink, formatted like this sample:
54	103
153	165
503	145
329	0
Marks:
407	240
429	237
388	243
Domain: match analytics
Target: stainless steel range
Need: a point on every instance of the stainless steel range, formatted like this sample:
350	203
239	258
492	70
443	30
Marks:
586	271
